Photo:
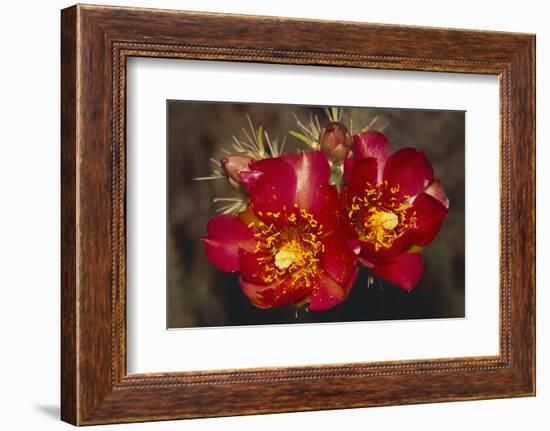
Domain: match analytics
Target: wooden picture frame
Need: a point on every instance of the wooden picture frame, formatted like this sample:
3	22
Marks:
96	41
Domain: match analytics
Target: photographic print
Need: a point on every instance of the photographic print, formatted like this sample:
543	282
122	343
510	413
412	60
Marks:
288	214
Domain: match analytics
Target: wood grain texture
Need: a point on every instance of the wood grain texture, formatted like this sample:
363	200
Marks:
68	218
96	41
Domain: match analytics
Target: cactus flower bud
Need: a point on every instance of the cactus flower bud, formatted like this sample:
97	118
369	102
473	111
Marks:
335	142
233	165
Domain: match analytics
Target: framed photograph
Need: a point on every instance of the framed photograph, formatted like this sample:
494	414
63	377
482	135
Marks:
327	222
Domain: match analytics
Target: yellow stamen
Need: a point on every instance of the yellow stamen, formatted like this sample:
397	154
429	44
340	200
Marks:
384	220
381	215
292	251
284	258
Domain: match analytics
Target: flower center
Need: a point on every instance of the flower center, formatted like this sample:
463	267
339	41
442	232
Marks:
381	214
385	220
288	255
289	246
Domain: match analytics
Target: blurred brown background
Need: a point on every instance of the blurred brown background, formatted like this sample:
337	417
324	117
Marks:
200	295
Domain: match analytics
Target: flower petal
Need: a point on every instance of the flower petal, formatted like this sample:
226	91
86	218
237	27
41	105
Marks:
347	287
371	143
404	270
364	172
436	190
402	243
312	169
338	260
250	268
249	178
275	189
430	214
410	170
349	164
252	291
324	205
281	292
326	294
226	234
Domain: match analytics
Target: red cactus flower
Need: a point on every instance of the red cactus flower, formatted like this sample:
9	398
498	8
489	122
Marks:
393	207
288	244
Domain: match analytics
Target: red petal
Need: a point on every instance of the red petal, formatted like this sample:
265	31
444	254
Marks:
338	260
347	287
226	234
404	270
349	164
312	170
326	294
430	214
347	226
250	269
399	245
436	190
249	178
353	243
324	205
410	169
344	198
371	143
362	174
277	294
252	291
275	189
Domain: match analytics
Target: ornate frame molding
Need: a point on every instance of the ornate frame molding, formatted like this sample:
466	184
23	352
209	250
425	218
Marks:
96	41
